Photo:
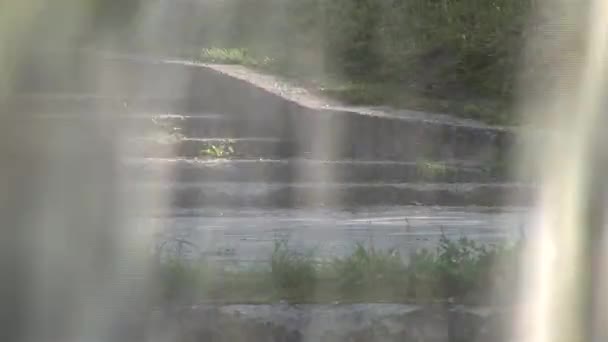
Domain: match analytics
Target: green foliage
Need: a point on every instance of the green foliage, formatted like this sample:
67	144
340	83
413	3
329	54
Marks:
294	275
180	281
463	269
360	273
459	265
422	275
459	270
431	169
113	13
224	56
232	56
463	52
223	149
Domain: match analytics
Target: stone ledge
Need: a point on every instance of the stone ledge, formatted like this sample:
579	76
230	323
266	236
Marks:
333	323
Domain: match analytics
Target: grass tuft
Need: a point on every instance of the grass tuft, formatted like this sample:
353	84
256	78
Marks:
458	270
238	56
360	273
293	274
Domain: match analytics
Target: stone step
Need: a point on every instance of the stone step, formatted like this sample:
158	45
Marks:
192	125
268	147
328	129
334	134
305	170
85	104
210	125
338	195
339	322
206	148
312	135
326	134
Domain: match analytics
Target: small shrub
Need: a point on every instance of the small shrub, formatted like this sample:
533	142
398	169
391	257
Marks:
368	270
224	56
458	266
180	281
473	111
460	270
294	275
467	269
431	170
466	49
234	56
422	275
223	149
463	270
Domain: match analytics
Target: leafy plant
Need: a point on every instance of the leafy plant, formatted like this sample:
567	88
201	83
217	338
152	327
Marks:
431	170
422	275
361	272
458	270
223	149
224	56
458	266
239	56
294	275
461	52
181	281
461	269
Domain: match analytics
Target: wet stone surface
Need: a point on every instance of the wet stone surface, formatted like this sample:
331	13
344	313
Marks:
332	323
248	235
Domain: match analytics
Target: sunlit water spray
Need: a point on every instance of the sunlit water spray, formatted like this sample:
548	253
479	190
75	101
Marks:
70	257
74	265
564	288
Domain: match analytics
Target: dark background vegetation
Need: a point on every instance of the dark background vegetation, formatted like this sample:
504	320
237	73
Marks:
457	56
460	271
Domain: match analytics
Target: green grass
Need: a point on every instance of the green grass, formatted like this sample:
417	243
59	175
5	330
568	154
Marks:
239	56
432	169
224	56
460	271
293	275
222	149
370	274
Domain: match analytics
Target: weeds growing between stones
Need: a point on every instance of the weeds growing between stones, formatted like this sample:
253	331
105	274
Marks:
457	271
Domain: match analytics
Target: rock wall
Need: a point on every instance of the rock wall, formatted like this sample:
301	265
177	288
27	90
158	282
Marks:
331	323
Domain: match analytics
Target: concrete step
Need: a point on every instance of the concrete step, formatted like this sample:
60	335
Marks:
338	195
213	125
331	135
335	134
270	147
322	144
305	170
84	104
160	135
328	130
